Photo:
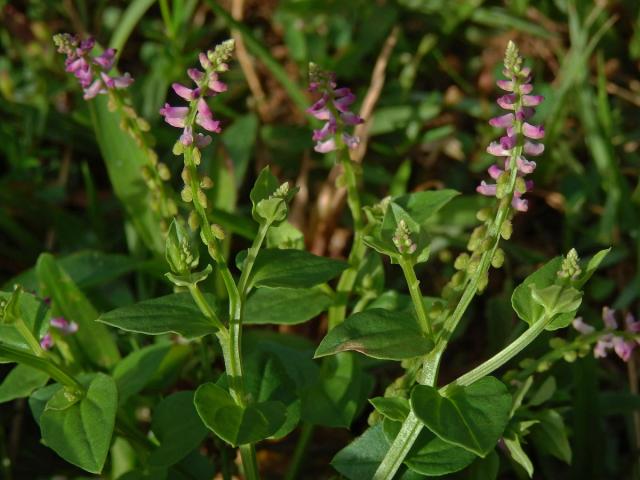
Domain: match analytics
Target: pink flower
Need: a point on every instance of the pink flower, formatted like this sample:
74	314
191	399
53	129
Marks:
207	84
521	104
64	326
582	327
91	72
333	108
46	342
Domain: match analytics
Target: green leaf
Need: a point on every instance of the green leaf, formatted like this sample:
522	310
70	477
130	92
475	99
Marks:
134	371
430	455
234	424
550	435
556	299
239	138
266	379
591	266
484	468
38	399
517	453
285	235
34	312
379	334
95	340
293	269
360	459
284	306
393	408
21	382
175	313
473	417
339	394
521	300
125	160
81	433
177	426
422	205
544	393
88	268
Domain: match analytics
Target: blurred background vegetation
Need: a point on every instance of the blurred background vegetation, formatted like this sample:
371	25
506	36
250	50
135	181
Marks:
437	62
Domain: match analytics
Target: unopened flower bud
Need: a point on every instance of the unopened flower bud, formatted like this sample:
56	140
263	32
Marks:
483	214
163	171
186	194
217	231
570	267
197	156
194	221
178	148
202	198
402	239
498	258
506	230
186	176
461	262
206	183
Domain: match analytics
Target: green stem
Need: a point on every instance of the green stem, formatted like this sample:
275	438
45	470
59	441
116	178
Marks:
416	296
412	426
28	337
502	357
306	432
347	280
204	306
429	374
252	254
54	371
231	339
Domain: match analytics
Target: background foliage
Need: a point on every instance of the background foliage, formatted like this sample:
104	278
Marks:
58	194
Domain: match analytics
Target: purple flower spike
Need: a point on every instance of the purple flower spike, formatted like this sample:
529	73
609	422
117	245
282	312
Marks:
514	144
91	72
333	108
207	84
612	337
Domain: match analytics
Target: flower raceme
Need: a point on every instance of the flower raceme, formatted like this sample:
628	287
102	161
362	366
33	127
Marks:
332	107
207	84
517	142
61	324
622	342
92	72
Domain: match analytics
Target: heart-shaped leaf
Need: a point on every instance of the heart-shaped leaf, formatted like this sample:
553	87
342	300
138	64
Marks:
231	422
473	417
20	382
80	431
284	306
178	427
176	313
379	334
430	455
293	269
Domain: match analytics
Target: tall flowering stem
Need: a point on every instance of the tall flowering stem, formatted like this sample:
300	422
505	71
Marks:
333	108
484	251
93	73
196	115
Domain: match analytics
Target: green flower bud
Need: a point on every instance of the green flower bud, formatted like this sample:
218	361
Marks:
484	214
461	262
180	253
163	172
506	230
186	194
194	221
178	148
498	258
197	156
217	231
570	356
206	183
202	198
